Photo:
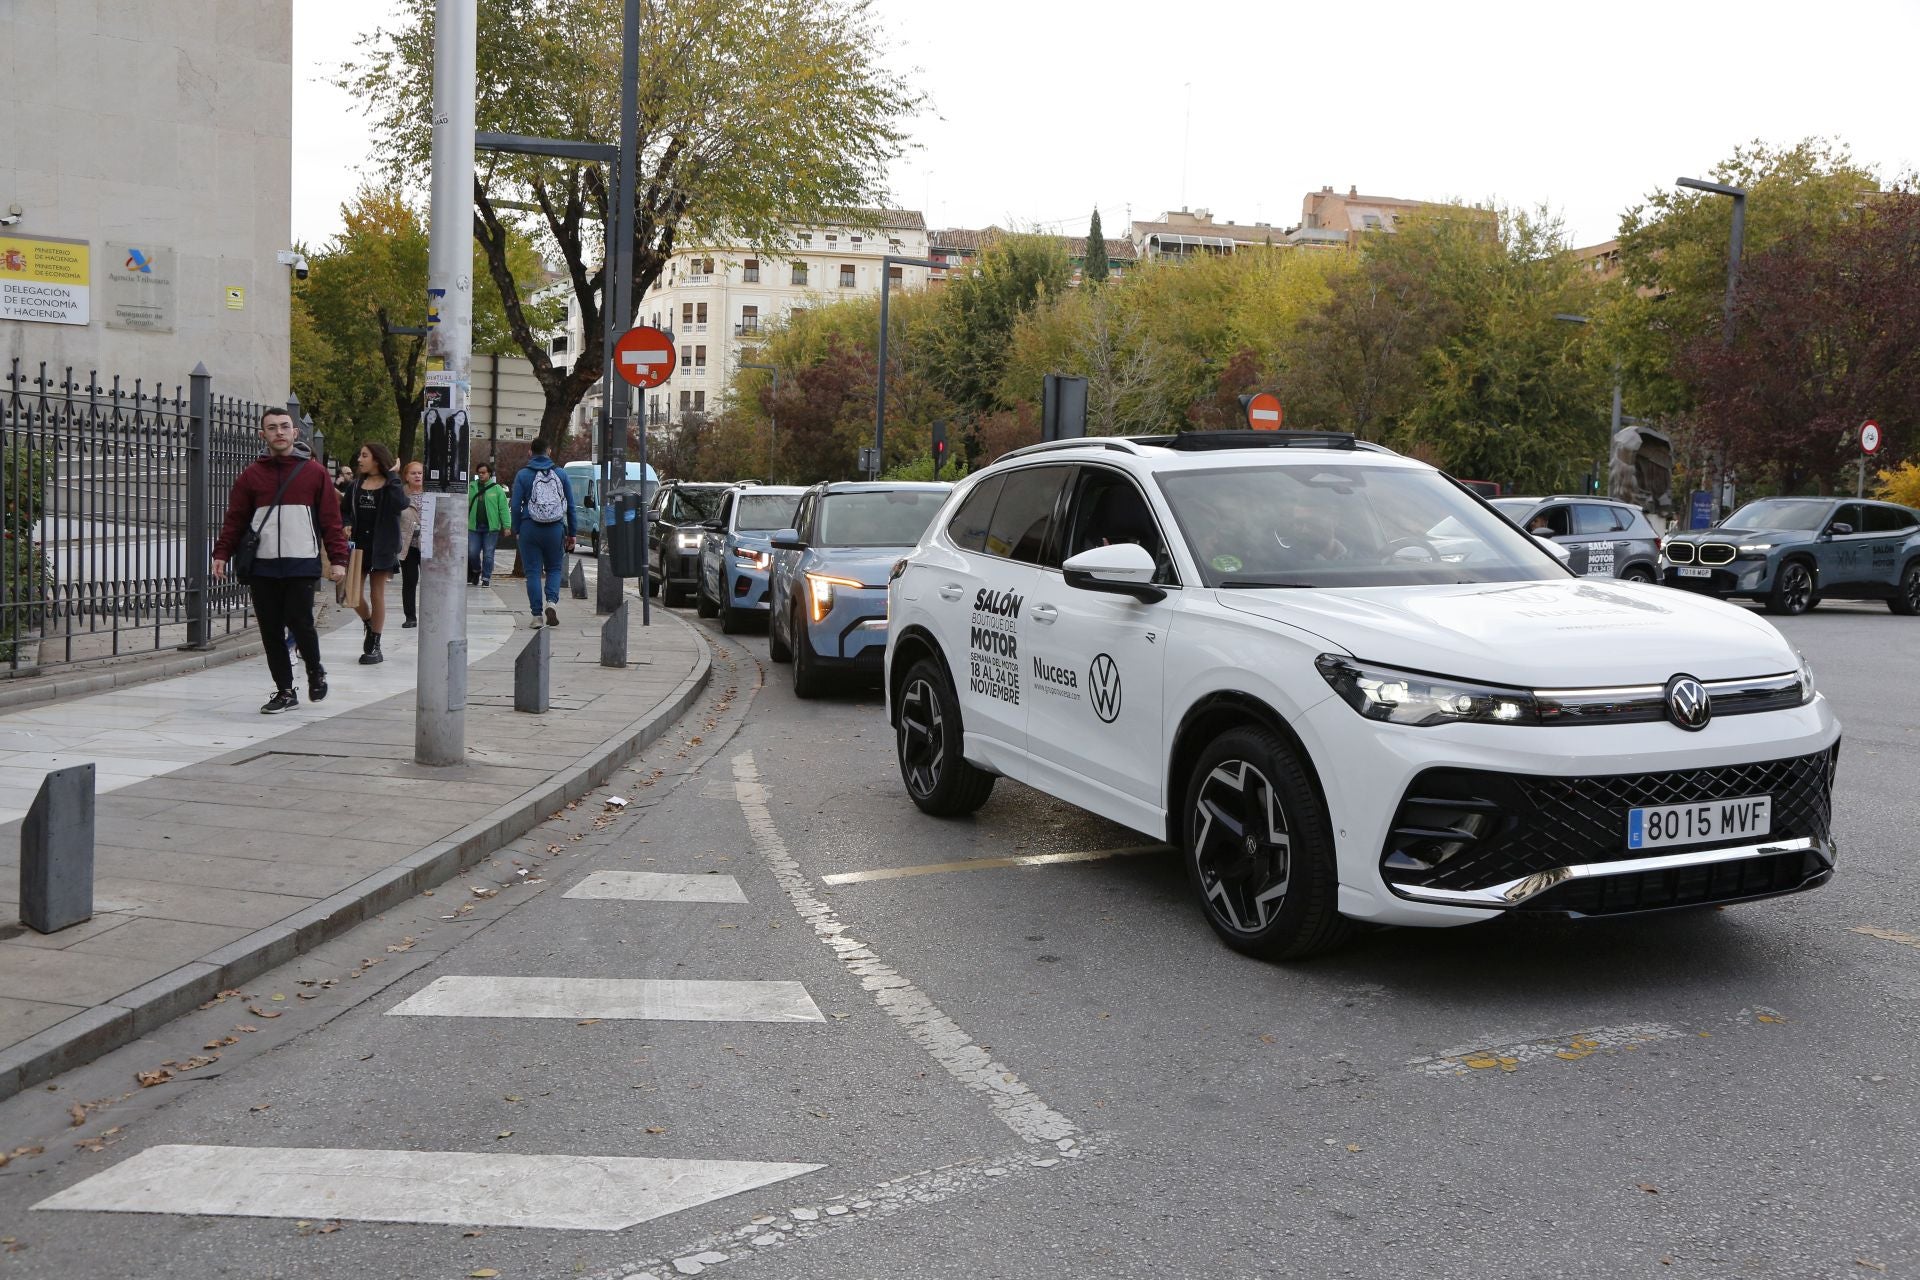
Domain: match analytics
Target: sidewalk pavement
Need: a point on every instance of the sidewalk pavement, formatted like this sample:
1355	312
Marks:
227	842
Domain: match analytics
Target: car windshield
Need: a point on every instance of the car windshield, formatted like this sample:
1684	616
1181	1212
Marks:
1345	526
1779	513
877	518
761	512
1514	511
698	504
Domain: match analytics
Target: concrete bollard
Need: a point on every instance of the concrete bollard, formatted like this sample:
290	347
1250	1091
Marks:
532	673
613	638
578	578
56	852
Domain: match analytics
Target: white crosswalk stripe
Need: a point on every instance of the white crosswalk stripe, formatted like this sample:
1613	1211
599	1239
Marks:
650	998
658	886
569	1193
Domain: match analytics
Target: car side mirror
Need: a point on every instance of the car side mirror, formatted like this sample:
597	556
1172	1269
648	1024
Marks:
588	502
1839	528
1124	568
787	540
1560	553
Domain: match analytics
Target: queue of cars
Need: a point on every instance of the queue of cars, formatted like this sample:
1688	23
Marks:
1346	689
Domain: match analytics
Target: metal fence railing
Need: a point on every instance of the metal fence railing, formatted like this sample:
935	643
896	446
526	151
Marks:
112	497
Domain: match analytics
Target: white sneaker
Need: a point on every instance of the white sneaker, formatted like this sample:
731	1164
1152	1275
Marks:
535	622
553	616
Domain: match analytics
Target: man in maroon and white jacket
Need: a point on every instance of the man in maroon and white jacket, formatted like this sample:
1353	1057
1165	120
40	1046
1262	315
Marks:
292	528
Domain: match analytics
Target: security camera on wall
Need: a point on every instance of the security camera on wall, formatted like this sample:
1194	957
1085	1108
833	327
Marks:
288	258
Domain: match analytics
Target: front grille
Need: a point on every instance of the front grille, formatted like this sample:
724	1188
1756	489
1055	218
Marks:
1680	553
1716	553
1465	829
1683	886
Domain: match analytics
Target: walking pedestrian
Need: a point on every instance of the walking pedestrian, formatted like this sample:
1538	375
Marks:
542	519
281	518
372	510
488	514
415	474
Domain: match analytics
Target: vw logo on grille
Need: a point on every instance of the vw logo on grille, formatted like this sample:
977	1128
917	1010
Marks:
1688	704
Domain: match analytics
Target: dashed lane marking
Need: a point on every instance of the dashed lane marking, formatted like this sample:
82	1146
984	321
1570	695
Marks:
658	886
581	998
981	864
1889	935
1016	1105
567	1193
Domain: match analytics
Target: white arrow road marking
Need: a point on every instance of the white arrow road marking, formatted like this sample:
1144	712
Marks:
566	1193
658	886
651	998
652	355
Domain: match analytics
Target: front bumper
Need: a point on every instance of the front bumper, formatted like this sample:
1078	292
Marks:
680	568
747	590
1368	769
853	635
1740	578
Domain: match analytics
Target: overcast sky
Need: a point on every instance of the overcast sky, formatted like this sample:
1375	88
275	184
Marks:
1040	111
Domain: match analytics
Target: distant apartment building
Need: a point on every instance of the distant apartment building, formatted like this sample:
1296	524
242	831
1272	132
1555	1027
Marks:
956	247
1329	220
718	300
1602	259
1184	233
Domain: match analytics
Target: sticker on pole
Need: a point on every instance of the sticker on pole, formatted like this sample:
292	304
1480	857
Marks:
1870	437
643	356
1264	412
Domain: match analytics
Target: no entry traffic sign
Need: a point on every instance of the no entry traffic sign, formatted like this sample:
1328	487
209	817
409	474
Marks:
1263	411
643	356
1870	436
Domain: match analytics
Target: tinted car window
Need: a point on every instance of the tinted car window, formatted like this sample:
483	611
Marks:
765	512
877	518
1591	517
968	528
1888	520
1109	509
1625	519
1024	513
1848	515
1786	514
691	506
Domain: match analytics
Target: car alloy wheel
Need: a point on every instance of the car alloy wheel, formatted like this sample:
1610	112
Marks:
928	739
1241	846
1793	594
1906	600
923	747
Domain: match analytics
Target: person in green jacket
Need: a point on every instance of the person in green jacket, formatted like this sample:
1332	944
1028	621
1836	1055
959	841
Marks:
487	514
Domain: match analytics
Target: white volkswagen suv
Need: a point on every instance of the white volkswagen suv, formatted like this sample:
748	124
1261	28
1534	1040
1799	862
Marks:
1347	690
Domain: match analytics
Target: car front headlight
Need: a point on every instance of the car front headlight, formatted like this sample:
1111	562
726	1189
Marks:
1756	546
688	541
751	558
1409	697
820	590
1806	680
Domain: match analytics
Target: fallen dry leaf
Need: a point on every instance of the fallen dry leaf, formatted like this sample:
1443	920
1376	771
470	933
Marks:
477	1231
221	1043
484	1273
329	1229
504	1133
1649	1188
246	1028
405	944
478	892
79	1113
1869	1264
258	1012
586	1022
148	1079
655	1129
307	995
261	1106
279	995
1353	1146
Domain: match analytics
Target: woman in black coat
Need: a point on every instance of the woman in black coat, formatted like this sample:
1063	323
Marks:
371	511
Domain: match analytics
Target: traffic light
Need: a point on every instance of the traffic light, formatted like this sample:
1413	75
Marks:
939	445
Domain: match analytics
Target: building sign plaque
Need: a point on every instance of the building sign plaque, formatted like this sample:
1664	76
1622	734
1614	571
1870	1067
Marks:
45	279
138	287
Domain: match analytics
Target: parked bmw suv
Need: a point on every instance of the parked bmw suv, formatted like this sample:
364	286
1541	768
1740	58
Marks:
829	595
1791	553
1247	644
676	530
1604	539
736	562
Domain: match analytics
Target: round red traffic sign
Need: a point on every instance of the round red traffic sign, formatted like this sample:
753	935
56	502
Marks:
1264	412
643	356
1870	436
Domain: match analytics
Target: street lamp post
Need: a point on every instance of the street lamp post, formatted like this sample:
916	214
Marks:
1736	242
772	409
887	263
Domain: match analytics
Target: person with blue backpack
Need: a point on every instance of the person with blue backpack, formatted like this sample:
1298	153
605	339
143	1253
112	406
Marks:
543	528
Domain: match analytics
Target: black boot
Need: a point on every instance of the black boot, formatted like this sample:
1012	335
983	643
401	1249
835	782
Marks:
316	684
372	655
369	640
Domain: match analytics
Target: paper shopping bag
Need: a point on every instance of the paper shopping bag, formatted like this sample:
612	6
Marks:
356	573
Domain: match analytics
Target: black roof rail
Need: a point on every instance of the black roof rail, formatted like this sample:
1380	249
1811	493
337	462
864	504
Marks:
1119	444
1201	441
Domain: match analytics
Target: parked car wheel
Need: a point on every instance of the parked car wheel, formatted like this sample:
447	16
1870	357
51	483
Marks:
777	647
703	603
808	680
1905	600
1792	592
732	620
1257	849
1637	573
929	743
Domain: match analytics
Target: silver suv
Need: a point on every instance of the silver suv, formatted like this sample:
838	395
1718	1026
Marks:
1604	539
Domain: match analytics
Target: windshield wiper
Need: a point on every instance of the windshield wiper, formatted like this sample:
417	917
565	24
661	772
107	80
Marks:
1263	583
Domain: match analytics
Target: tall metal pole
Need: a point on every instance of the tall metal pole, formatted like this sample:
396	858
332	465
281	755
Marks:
606	587
440	689
623	256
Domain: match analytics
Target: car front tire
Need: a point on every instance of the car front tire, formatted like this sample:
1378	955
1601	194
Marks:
1905	600
808	682
929	744
1258	850
1637	573
777	646
702	602
1793	589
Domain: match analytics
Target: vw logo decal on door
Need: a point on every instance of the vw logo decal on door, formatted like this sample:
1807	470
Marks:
1688	704
1103	688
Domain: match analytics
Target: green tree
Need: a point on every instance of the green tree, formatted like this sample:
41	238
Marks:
755	116
1093	268
966	351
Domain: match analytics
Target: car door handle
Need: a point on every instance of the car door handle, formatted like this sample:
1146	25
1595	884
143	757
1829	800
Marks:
952	591
1045	613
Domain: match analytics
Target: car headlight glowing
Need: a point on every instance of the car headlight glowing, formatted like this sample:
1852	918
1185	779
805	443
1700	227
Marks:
688	541
751	558
1756	546
820	591
1408	697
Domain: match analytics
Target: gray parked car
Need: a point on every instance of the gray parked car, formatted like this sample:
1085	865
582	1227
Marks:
1603	538
1793	552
